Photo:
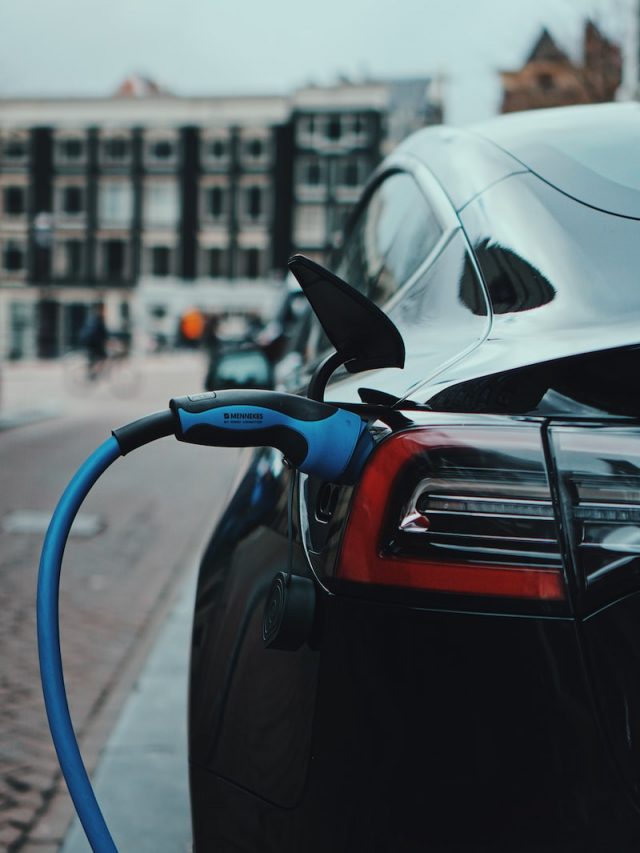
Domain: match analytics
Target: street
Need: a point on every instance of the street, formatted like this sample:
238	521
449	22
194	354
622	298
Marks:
140	532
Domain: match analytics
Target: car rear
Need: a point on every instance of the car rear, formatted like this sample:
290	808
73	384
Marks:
471	680
479	644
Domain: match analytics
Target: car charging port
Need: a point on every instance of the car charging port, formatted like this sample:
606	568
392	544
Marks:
327	501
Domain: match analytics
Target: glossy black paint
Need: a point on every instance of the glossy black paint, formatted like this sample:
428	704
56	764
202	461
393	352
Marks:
611	640
431	730
424	722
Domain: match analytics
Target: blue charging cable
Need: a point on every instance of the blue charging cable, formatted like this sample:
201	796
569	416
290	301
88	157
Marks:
51	674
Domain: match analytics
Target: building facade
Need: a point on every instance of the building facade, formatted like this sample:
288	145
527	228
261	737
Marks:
549	78
155	204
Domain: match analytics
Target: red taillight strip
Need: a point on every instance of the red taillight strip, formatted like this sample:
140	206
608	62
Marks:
511	581
361	560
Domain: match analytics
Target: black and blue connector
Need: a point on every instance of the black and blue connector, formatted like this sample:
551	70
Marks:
317	438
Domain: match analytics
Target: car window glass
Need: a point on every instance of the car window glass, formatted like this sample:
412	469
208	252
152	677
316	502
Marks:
442	313
393	234
444	310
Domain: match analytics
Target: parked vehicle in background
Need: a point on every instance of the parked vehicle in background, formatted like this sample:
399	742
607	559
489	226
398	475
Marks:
262	358
282	333
239	365
471	678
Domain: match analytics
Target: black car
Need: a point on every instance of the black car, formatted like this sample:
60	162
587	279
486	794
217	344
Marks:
470	679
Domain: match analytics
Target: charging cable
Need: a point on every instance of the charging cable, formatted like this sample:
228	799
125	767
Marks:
316	438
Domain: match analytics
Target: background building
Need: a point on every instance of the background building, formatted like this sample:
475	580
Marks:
549	78
155	204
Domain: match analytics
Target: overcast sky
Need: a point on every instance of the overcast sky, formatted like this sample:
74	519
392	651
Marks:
81	47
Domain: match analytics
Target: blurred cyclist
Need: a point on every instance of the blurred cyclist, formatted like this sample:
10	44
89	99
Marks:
94	336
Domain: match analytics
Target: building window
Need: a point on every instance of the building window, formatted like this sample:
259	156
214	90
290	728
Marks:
310	225
351	173
15	150
215	152
334	128
161	203
251	259
72	201
15	201
215	263
216	200
255	150
359	125
73	258
71	150
115	203
116	150
313	175
254	201
218	149
161	152
14	257
160	261
351	177
312	172
158	312
545	81
114	259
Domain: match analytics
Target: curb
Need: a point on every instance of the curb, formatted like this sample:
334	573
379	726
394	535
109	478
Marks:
24	417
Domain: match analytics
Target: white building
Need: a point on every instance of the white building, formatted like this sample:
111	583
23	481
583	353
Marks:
156	204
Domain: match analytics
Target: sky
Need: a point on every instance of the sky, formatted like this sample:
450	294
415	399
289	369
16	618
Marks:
83	47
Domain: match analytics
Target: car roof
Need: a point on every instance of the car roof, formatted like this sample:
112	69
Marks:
590	153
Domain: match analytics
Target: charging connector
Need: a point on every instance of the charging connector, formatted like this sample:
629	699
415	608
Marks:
317	438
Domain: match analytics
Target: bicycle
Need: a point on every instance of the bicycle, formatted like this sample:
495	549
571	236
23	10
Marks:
118	372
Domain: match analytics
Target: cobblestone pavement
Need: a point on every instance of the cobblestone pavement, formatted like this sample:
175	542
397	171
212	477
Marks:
154	509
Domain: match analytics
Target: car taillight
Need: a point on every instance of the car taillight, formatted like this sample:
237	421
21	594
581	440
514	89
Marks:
599	478
458	510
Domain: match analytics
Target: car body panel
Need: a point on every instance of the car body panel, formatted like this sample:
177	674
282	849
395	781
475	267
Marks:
611	634
231	706
464	164
591	155
432	717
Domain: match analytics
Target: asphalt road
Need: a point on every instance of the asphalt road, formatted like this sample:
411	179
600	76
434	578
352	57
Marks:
144	524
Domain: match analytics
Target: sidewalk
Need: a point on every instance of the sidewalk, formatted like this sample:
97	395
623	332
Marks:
20	417
141	780
118	587
30	391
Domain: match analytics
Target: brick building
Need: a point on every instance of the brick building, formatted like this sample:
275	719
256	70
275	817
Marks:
154	203
549	78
